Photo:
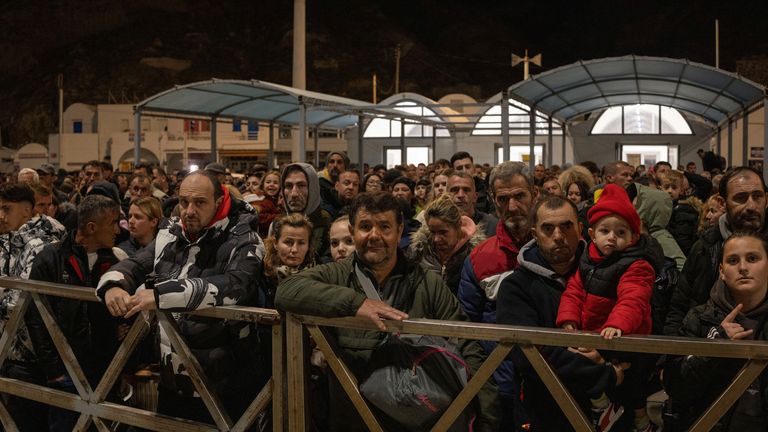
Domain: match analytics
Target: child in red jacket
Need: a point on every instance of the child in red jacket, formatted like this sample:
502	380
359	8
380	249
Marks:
611	292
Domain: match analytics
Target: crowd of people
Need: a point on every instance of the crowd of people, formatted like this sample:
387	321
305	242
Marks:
618	250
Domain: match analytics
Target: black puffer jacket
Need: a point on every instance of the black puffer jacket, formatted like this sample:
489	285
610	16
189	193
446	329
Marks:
86	325
216	269
693	383
684	223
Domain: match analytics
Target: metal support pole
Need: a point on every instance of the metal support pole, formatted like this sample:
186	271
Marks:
403	159
765	138
562	161
504	126
302	150
317	149
719	139
360	161
214	152
434	144
729	162
532	139
136	137
745	139
549	141
271	149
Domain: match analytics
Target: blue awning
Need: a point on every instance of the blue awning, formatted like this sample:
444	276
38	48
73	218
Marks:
266	102
586	86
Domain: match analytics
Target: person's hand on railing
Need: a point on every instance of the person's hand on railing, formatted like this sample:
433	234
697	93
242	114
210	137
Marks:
569	326
589	353
734	330
117	301
610	333
143	300
377	310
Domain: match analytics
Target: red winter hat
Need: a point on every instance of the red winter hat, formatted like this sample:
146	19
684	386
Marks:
614	201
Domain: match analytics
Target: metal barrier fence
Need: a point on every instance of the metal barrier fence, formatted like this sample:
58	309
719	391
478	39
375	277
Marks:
527	338
94	409
91	403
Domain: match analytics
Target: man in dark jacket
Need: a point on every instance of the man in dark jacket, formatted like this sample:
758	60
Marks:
530	296
462	186
743	191
79	259
207	258
406	290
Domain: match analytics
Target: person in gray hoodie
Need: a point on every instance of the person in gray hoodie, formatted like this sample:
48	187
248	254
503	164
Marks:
301	194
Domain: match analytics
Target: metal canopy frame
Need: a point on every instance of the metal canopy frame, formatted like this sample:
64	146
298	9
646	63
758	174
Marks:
265	102
587	86
716	96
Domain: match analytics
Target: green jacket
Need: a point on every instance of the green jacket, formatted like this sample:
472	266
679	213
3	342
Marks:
333	290
655	210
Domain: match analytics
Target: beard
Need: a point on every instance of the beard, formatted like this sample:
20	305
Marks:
517	225
557	254
748	220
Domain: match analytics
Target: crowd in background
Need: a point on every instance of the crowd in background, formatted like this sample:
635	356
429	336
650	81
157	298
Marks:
470	225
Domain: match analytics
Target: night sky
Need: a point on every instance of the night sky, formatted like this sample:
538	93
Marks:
447	45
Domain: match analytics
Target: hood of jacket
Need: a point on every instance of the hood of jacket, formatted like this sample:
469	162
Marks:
420	243
654	207
530	258
721	297
313	184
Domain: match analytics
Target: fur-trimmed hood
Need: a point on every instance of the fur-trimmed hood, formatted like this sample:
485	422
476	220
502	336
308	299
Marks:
420	239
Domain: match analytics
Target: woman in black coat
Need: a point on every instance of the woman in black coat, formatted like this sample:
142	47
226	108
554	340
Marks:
737	310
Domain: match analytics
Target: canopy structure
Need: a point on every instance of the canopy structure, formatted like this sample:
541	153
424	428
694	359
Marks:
586	86
714	95
265	102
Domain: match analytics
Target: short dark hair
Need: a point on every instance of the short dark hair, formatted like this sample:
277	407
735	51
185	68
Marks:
93	208
375	202
39	189
661	163
552	202
93	163
17	192
461	155
353	171
737	172
106	166
217	192
141	177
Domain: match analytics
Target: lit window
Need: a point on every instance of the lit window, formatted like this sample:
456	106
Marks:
385	128
641	119
519	121
413	155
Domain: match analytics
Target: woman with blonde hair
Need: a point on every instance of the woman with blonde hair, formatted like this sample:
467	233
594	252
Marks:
144	217
288	249
445	240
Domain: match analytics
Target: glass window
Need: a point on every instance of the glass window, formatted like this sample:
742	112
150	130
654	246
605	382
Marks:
413	155
385	128
519	121
520	153
644	119
77	126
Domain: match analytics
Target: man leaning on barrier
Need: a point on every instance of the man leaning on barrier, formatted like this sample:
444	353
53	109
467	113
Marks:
407	290
530	297
206	258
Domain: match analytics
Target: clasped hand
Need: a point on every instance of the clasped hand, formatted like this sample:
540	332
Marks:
120	303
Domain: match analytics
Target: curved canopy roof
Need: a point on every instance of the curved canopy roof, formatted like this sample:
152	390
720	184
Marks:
587	86
263	101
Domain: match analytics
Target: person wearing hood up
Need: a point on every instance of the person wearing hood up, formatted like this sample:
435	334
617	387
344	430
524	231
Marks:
530	296
301	194
736	310
445	240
